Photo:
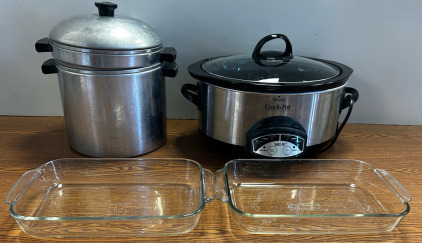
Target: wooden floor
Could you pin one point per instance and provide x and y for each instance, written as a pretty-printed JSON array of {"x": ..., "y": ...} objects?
[{"x": 28, "y": 142}]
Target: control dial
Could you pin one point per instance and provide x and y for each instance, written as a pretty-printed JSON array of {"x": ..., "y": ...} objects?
[{"x": 277, "y": 137}]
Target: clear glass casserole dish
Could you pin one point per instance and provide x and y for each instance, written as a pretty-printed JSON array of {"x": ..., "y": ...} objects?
[
  {"x": 111, "y": 197},
  {"x": 311, "y": 196},
  {"x": 134, "y": 197}
]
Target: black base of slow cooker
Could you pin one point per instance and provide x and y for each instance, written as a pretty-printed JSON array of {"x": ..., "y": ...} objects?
[
  {"x": 240, "y": 151},
  {"x": 318, "y": 148}
]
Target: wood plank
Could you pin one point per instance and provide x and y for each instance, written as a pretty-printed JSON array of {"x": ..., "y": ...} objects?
[{"x": 28, "y": 142}]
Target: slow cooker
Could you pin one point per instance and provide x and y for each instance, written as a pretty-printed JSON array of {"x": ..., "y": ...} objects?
[{"x": 273, "y": 103}]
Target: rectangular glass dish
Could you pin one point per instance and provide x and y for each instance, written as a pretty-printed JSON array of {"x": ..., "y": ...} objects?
[
  {"x": 135, "y": 197},
  {"x": 311, "y": 196},
  {"x": 111, "y": 197}
]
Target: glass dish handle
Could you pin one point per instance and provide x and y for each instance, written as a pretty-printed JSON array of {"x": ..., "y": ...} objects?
[
  {"x": 220, "y": 186},
  {"x": 20, "y": 186},
  {"x": 209, "y": 185},
  {"x": 402, "y": 193}
]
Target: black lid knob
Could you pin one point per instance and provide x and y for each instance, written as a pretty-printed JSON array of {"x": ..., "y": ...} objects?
[{"x": 106, "y": 8}]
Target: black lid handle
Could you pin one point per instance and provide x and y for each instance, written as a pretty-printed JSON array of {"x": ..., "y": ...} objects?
[
  {"x": 287, "y": 54},
  {"x": 106, "y": 8}
]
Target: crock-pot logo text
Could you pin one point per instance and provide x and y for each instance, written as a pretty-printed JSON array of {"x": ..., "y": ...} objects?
[
  {"x": 277, "y": 107},
  {"x": 278, "y": 104}
]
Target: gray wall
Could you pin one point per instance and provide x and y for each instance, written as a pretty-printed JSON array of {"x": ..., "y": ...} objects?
[{"x": 380, "y": 39}]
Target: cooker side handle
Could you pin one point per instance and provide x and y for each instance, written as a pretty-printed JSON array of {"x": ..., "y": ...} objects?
[
  {"x": 354, "y": 94},
  {"x": 190, "y": 91},
  {"x": 351, "y": 96}
]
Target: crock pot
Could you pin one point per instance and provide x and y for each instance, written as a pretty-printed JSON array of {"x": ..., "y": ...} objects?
[
  {"x": 271, "y": 102},
  {"x": 111, "y": 73}
]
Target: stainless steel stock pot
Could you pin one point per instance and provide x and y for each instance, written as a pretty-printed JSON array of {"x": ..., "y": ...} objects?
[
  {"x": 111, "y": 73},
  {"x": 273, "y": 103}
]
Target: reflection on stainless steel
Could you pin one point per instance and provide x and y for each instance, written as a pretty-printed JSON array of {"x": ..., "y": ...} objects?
[
  {"x": 99, "y": 32},
  {"x": 118, "y": 115},
  {"x": 89, "y": 58},
  {"x": 228, "y": 113}
]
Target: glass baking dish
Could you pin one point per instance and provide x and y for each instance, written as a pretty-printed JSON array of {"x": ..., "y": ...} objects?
[
  {"x": 111, "y": 197},
  {"x": 90, "y": 197},
  {"x": 311, "y": 196}
]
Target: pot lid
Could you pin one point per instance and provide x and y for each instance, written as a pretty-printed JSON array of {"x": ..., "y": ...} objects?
[
  {"x": 105, "y": 31},
  {"x": 272, "y": 70},
  {"x": 293, "y": 70}
]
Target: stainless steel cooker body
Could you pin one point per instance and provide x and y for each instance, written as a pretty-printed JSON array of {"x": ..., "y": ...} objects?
[{"x": 227, "y": 114}]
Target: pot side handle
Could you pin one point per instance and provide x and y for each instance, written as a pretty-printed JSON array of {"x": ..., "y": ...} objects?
[
  {"x": 170, "y": 69},
  {"x": 43, "y": 45},
  {"x": 49, "y": 66},
  {"x": 20, "y": 186},
  {"x": 168, "y": 54}
]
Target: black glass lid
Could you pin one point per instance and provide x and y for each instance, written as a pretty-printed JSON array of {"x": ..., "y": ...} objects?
[
  {"x": 271, "y": 70},
  {"x": 294, "y": 70}
]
